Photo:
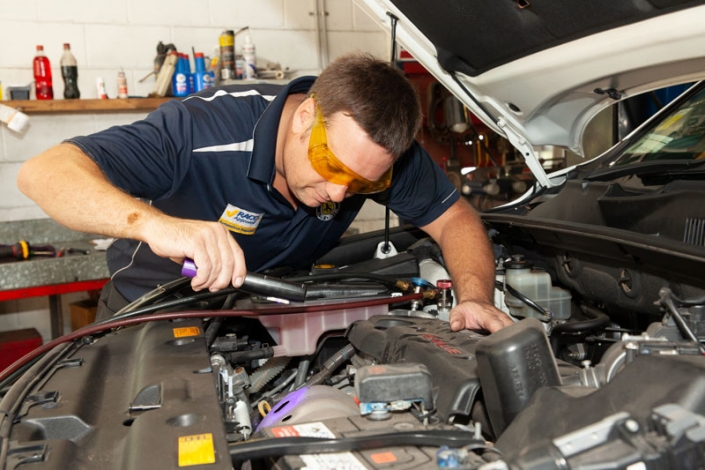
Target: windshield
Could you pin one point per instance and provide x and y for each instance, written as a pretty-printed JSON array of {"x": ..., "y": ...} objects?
[{"x": 679, "y": 135}]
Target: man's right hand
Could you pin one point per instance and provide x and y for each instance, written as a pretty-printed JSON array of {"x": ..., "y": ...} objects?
[{"x": 210, "y": 245}]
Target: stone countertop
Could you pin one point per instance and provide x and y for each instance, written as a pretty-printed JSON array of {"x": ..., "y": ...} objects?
[{"x": 41, "y": 271}]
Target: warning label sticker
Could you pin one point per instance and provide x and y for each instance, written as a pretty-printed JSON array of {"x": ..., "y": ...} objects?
[
  {"x": 339, "y": 461},
  {"x": 186, "y": 331},
  {"x": 196, "y": 449}
]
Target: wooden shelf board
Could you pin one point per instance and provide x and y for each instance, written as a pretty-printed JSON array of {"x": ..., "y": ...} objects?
[{"x": 78, "y": 106}]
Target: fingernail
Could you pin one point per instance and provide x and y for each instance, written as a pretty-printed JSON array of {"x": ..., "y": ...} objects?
[
  {"x": 238, "y": 281},
  {"x": 455, "y": 325}
]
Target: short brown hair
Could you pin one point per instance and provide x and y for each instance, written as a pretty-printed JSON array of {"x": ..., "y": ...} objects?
[{"x": 376, "y": 95}]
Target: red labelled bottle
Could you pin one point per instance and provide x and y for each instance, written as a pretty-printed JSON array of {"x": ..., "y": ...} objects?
[
  {"x": 69, "y": 71},
  {"x": 42, "y": 76}
]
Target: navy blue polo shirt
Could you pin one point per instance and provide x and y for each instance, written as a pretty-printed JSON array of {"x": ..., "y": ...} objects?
[{"x": 211, "y": 157}]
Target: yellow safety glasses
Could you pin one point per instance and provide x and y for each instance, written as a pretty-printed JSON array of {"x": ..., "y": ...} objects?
[{"x": 333, "y": 170}]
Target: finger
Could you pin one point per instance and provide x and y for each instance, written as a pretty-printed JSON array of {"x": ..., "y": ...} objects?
[
  {"x": 202, "y": 261},
  {"x": 226, "y": 261},
  {"x": 239, "y": 266},
  {"x": 457, "y": 321},
  {"x": 212, "y": 242},
  {"x": 496, "y": 322}
]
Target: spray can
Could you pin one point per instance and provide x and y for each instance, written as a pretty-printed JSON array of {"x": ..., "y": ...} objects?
[
  {"x": 227, "y": 55},
  {"x": 122, "y": 85},
  {"x": 100, "y": 88},
  {"x": 248, "y": 55}
]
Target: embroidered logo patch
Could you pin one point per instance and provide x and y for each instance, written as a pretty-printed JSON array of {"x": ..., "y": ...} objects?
[
  {"x": 240, "y": 221},
  {"x": 327, "y": 210}
]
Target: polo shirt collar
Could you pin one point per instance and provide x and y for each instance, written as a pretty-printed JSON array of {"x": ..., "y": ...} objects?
[{"x": 262, "y": 164}]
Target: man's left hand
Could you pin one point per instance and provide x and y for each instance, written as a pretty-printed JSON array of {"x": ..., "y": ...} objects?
[{"x": 477, "y": 315}]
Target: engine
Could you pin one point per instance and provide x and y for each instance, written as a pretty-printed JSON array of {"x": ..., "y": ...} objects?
[
  {"x": 366, "y": 374},
  {"x": 564, "y": 387}
]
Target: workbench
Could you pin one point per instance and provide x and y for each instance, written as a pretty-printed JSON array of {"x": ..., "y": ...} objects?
[{"x": 51, "y": 277}]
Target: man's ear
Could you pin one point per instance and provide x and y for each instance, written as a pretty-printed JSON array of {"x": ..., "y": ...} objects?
[{"x": 303, "y": 116}]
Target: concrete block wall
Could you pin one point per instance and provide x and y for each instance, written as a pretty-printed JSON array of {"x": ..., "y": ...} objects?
[{"x": 107, "y": 36}]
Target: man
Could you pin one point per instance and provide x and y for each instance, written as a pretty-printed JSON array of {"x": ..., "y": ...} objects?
[{"x": 237, "y": 177}]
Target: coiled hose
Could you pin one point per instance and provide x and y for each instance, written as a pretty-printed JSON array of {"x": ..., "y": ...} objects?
[{"x": 267, "y": 373}]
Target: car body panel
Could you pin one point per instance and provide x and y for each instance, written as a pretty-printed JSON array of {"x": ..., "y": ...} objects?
[{"x": 548, "y": 96}]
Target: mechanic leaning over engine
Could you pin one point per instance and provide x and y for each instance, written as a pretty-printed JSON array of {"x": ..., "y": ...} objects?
[{"x": 252, "y": 177}]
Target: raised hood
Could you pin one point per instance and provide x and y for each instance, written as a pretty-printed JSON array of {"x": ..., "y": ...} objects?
[{"x": 537, "y": 71}]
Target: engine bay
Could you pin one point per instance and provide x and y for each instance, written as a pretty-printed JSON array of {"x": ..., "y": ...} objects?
[{"x": 366, "y": 373}]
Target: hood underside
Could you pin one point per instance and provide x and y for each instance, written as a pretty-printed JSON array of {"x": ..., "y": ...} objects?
[{"x": 536, "y": 71}]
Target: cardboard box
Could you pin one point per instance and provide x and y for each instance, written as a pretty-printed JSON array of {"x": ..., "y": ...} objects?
[
  {"x": 15, "y": 344},
  {"x": 83, "y": 313}
]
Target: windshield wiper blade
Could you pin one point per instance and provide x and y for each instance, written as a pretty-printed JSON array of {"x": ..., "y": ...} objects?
[{"x": 660, "y": 167}]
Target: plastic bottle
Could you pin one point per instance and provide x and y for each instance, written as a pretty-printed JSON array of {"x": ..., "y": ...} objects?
[
  {"x": 69, "y": 72},
  {"x": 248, "y": 55},
  {"x": 536, "y": 285},
  {"x": 202, "y": 78},
  {"x": 122, "y": 85},
  {"x": 227, "y": 55},
  {"x": 179, "y": 84},
  {"x": 190, "y": 75},
  {"x": 42, "y": 76}
]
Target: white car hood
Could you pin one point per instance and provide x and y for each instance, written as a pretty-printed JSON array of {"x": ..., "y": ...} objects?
[{"x": 547, "y": 92}]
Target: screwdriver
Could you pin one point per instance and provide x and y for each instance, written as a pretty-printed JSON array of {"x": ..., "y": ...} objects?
[{"x": 22, "y": 250}]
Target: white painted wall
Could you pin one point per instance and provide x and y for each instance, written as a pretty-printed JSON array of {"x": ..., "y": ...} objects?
[{"x": 109, "y": 35}]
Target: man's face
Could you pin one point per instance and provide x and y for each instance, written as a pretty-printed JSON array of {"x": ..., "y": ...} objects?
[{"x": 350, "y": 145}]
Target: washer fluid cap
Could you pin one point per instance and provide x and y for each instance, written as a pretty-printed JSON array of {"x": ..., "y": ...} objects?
[{"x": 518, "y": 262}]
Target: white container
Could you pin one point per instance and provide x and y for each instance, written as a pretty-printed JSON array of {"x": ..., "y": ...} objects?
[
  {"x": 122, "y": 85},
  {"x": 299, "y": 333},
  {"x": 536, "y": 285}
]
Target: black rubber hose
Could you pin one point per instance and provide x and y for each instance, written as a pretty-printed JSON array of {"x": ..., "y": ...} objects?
[
  {"x": 501, "y": 286},
  {"x": 169, "y": 304},
  {"x": 239, "y": 357},
  {"x": 331, "y": 365},
  {"x": 276, "y": 447},
  {"x": 342, "y": 275},
  {"x": 212, "y": 331},
  {"x": 154, "y": 295},
  {"x": 667, "y": 302},
  {"x": 596, "y": 320},
  {"x": 317, "y": 291},
  {"x": 692, "y": 302}
]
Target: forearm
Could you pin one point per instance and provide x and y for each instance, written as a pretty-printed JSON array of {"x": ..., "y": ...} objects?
[
  {"x": 468, "y": 255},
  {"x": 469, "y": 258},
  {"x": 72, "y": 190}
]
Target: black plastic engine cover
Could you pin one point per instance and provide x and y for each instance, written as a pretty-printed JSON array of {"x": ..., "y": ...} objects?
[
  {"x": 133, "y": 399},
  {"x": 646, "y": 383},
  {"x": 449, "y": 356}
]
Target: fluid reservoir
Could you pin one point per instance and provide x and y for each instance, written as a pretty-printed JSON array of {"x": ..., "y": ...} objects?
[{"x": 536, "y": 285}]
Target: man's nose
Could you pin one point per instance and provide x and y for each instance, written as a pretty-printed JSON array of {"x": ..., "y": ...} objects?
[{"x": 336, "y": 192}]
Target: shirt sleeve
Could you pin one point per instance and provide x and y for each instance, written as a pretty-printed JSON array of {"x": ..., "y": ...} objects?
[
  {"x": 420, "y": 190},
  {"x": 148, "y": 158}
]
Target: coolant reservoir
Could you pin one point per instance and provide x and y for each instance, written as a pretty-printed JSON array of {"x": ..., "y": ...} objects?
[{"x": 536, "y": 285}]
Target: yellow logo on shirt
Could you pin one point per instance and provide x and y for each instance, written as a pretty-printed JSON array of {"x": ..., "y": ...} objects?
[
  {"x": 239, "y": 220},
  {"x": 327, "y": 211}
]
